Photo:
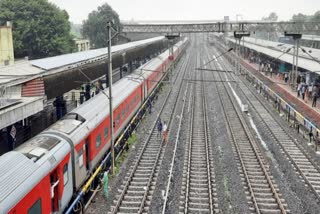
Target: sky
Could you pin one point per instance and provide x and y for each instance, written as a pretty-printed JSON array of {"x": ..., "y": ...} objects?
[{"x": 190, "y": 10}]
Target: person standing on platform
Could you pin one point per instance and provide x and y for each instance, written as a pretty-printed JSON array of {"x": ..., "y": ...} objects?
[
  {"x": 310, "y": 92},
  {"x": 286, "y": 77},
  {"x": 303, "y": 91},
  {"x": 299, "y": 89},
  {"x": 165, "y": 132},
  {"x": 314, "y": 96}
]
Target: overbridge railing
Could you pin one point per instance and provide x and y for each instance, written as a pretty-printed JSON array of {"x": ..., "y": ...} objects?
[{"x": 300, "y": 27}]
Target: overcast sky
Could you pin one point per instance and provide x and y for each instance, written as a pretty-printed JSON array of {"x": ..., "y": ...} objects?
[{"x": 190, "y": 10}]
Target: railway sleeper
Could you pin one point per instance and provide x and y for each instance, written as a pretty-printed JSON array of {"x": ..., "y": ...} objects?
[
  {"x": 125, "y": 209},
  {"x": 199, "y": 205},
  {"x": 264, "y": 190},
  {"x": 198, "y": 210},
  {"x": 201, "y": 180},
  {"x": 199, "y": 185},
  {"x": 264, "y": 195},
  {"x": 268, "y": 205},
  {"x": 130, "y": 198},
  {"x": 271, "y": 211}
]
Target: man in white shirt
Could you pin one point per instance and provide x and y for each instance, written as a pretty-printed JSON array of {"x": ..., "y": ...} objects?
[{"x": 164, "y": 130}]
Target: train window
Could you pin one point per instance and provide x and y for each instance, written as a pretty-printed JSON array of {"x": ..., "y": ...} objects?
[
  {"x": 98, "y": 141},
  {"x": 105, "y": 132},
  {"x": 65, "y": 174},
  {"x": 127, "y": 109},
  {"x": 36, "y": 208},
  {"x": 118, "y": 119},
  {"x": 80, "y": 158},
  {"x": 123, "y": 112}
]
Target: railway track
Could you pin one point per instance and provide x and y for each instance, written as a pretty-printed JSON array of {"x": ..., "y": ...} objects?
[
  {"x": 198, "y": 184},
  {"x": 262, "y": 192},
  {"x": 307, "y": 168},
  {"x": 136, "y": 191}
]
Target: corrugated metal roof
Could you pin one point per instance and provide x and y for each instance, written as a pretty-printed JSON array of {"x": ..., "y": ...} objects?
[
  {"x": 23, "y": 71},
  {"x": 69, "y": 59},
  {"x": 20, "y": 71},
  {"x": 304, "y": 63},
  {"x": 282, "y": 47}
]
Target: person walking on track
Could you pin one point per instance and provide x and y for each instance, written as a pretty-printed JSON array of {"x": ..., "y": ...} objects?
[
  {"x": 159, "y": 127},
  {"x": 165, "y": 132}
]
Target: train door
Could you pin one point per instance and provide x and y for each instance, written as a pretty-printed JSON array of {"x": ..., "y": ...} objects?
[
  {"x": 87, "y": 153},
  {"x": 54, "y": 180},
  {"x": 145, "y": 91}
]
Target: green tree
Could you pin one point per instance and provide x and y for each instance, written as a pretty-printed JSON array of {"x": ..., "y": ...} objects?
[
  {"x": 273, "y": 17},
  {"x": 305, "y": 18},
  {"x": 316, "y": 17},
  {"x": 300, "y": 18},
  {"x": 40, "y": 28},
  {"x": 95, "y": 27}
]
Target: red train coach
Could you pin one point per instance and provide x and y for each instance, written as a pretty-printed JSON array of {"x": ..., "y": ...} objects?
[{"x": 42, "y": 175}]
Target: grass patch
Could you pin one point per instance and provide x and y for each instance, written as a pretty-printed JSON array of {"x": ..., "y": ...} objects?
[
  {"x": 119, "y": 161},
  {"x": 132, "y": 140}
]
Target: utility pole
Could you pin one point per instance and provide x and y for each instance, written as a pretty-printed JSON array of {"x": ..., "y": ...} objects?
[
  {"x": 109, "y": 78},
  {"x": 294, "y": 73},
  {"x": 170, "y": 38},
  {"x": 238, "y": 36},
  {"x": 110, "y": 95}
]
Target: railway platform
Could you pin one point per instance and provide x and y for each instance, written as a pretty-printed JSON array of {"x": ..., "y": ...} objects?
[{"x": 284, "y": 90}]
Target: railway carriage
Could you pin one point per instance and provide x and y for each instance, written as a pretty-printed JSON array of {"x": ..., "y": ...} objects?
[
  {"x": 36, "y": 176},
  {"x": 42, "y": 175}
]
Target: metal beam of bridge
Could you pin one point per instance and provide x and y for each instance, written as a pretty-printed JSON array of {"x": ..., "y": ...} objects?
[{"x": 297, "y": 27}]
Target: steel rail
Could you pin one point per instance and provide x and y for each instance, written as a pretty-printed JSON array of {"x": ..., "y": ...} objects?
[
  {"x": 293, "y": 162},
  {"x": 127, "y": 184},
  {"x": 199, "y": 110},
  {"x": 254, "y": 147}
]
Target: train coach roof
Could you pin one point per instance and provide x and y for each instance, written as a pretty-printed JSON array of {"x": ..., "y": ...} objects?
[
  {"x": 155, "y": 62},
  {"x": 100, "y": 102},
  {"x": 15, "y": 169}
]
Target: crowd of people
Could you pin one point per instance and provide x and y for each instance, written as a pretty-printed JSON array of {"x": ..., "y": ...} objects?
[{"x": 307, "y": 92}]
